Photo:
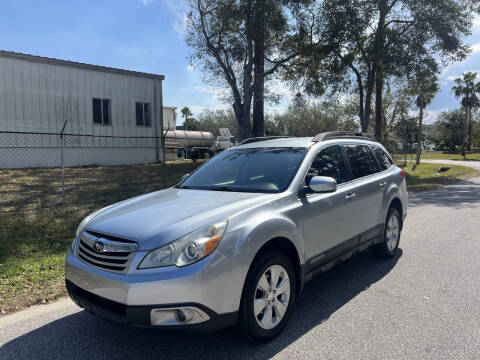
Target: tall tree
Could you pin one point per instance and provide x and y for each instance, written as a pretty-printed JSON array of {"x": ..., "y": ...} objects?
[
  {"x": 424, "y": 87},
  {"x": 448, "y": 129},
  {"x": 376, "y": 39},
  {"x": 397, "y": 104},
  {"x": 221, "y": 36},
  {"x": 240, "y": 44},
  {"x": 259, "y": 68},
  {"x": 466, "y": 88}
]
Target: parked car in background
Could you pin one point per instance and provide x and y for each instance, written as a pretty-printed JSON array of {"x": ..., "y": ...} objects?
[{"x": 236, "y": 241}]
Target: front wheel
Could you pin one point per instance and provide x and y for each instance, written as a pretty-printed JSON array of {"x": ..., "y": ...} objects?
[
  {"x": 391, "y": 235},
  {"x": 268, "y": 297}
]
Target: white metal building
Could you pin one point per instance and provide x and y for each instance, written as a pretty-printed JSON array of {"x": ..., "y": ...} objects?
[{"x": 112, "y": 116}]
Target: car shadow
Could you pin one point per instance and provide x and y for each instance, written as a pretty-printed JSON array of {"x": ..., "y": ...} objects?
[{"x": 83, "y": 336}]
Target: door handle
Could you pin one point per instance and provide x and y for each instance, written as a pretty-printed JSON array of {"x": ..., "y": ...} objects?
[
  {"x": 350, "y": 196},
  {"x": 382, "y": 184}
]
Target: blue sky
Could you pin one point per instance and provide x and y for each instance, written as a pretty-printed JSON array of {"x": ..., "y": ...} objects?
[{"x": 145, "y": 35}]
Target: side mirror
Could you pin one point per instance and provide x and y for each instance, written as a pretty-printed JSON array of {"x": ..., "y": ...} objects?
[
  {"x": 184, "y": 177},
  {"x": 323, "y": 184}
]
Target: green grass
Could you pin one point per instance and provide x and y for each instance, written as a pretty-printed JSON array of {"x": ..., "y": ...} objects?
[
  {"x": 422, "y": 177},
  {"x": 439, "y": 155},
  {"x": 35, "y": 230}
]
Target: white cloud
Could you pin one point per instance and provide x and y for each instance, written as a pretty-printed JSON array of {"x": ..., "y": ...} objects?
[
  {"x": 476, "y": 22},
  {"x": 453, "y": 77},
  {"x": 179, "y": 9},
  {"x": 475, "y": 48},
  {"x": 146, "y": 2},
  {"x": 431, "y": 115}
]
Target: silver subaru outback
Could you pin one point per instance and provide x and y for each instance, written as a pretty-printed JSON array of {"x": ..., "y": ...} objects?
[{"x": 236, "y": 241}]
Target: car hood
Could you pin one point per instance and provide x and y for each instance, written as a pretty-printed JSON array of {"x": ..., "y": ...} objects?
[{"x": 157, "y": 218}]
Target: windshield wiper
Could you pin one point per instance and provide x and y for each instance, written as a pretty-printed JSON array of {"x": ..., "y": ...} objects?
[
  {"x": 223, "y": 188},
  {"x": 183, "y": 187}
]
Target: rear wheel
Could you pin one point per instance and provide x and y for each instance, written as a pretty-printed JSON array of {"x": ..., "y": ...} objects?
[
  {"x": 391, "y": 235},
  {"x": 268, "y": 297}
]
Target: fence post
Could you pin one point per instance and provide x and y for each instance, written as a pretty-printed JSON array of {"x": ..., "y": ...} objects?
[{"x": 62, "y": 140}]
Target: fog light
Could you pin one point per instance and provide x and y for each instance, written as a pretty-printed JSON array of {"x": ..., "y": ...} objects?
[
  {"x": 184, "y": 315},
  {"x": 177, "y": 316}
]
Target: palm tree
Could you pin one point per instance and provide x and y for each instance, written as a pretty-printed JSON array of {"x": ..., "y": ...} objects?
[
  {"x": 186, "y": 113},
  {"x": 424, "y": 87},
  {"x": 466, "y": 88}
]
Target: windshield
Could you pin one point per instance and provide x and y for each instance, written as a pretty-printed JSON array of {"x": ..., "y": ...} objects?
[{"x": 268, "y": 170}]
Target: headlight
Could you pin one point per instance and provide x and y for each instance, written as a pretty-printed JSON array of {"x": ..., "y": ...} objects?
[{"x": 188, "y": 249}]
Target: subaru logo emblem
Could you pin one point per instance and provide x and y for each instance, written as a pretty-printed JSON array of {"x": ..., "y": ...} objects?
[{"x": 99, "y": 246}]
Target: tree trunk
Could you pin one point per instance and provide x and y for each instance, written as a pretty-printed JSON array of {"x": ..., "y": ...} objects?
[
  {"x": 469, "y": 124},
  {"x": 363, "y": 123},
  {"x": 368, "y": 101},
  {"x": 244, "y": 127},
  {"x": 419, "y": 137},
  {"x": 361, "y": 111},
  {"x": 259, "y": 69},
  {"x": 379, "y": 54},
  {"x": 465, "y": 133},
  {"x": 379, "y": 102}
]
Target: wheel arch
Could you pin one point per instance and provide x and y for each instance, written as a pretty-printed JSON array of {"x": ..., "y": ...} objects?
[
  {"x": 396, "y": 203},
  {"x": 285, "y": 246}
]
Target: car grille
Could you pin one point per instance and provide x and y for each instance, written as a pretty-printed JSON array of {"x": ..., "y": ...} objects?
[{"x": 111, "y": 254}]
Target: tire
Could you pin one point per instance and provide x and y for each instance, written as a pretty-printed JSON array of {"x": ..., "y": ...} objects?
[
  {"x": 263, "y": 324},
  {"x": 391, "y": 235}
]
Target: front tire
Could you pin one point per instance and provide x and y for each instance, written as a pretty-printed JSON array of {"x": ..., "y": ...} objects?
[
  {"x": 268, "y": 297},
  {"x": 391, "y": 235}
]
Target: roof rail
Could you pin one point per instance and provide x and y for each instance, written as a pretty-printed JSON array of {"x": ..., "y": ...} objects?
[
  {"x": 261, "y": 138},
  {"x": 342, "y": 135}
]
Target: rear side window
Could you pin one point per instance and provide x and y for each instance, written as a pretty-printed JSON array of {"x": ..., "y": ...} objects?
[
  {"x": 362, "y": 161},
  {"x": 383, "y": 159},
  {"x": 329, "y": 162}
]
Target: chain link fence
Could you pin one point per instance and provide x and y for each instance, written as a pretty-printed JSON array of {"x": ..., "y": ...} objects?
[
  {"x": 38, "y": 150},
  {"x": 40, "y": 170}
]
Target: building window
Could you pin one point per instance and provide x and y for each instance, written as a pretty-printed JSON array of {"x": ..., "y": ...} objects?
[
  {"x": 142, "y": 112},
  {"x": 101, "y": 111}
]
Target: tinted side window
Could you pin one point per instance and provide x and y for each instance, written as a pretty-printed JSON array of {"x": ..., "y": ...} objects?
[
  {"x": 362, "y": 161},
  {"x": 329, "y": 162},
  {"x": 383, "y": 159}
]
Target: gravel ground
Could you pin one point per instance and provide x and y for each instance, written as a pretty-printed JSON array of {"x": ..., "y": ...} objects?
[{"x": 422, "y": 304}]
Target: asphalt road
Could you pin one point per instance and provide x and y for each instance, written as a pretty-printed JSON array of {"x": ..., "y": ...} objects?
[{"x": 423, "y": 304}]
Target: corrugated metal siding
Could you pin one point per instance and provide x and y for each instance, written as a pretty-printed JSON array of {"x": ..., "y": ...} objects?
[{"x": 39, "y": 97}]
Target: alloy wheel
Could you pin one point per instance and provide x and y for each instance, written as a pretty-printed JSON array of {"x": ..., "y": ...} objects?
[
  {"x": 393, "y": 232},
  {"x": 272, "y": 296}
]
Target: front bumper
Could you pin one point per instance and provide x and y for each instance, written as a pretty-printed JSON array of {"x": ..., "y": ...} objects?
[
  {"x": 140, "y": 316},
  {"x": 212, "y": 285}
]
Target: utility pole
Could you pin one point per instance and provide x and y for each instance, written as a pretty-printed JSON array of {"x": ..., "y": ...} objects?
[
  {"x": 62, "y": 140},
  {"x": 164, "y": 179}
]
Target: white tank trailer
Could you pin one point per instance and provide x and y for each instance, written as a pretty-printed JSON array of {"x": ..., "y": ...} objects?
[{"x": 198, "y": 144}]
